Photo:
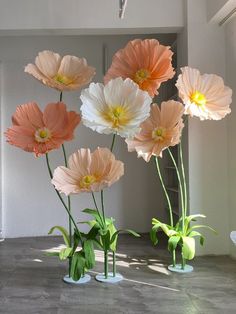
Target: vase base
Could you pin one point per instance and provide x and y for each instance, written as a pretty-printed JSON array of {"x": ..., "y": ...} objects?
[
  {"x": 86, "y": 278},
  {"x": 110, "y": 279},
  {"x": 178, "y": 268}
]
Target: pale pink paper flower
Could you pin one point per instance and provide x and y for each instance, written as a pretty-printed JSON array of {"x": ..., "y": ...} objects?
[
  {"x": 40, "y": 132},
  {"x": 161, "y": 130},
  {"x": 204, "y": 96},
  {"x": 62, "y": 73},
  {"x": 146, "y": 62},
  {"x": 88, "y": 172}
]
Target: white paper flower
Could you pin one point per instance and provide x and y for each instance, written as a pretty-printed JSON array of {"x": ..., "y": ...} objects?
[{"x": 118, "y": 107}]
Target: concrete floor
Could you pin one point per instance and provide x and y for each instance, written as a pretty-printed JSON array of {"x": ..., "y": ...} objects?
[{"x": 30, "y": 282}]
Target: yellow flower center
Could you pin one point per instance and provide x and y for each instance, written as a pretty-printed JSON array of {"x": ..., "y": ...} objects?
[
  {"x": 87, "y": 181},
  {"x": 159, "y": 134},
  {"x": 42, "y": 135},
  {"x": 198, "y": 98},
  {"x": 117, "y": 115},
  {"x": 141, "y": 76},
  {"x": 62, "y": 79}
]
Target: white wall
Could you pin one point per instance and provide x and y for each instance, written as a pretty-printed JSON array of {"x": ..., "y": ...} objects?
[
  {"x": 208, "y": 173},
  {"x": 230, "y": 31},
  {"x": 30, "y": 205},
  {"x": 88, "y": 16}
]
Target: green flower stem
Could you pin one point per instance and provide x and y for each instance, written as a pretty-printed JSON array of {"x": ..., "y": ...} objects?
[
  {"x": 95, "y": 203},
  {"x": 106, "y": 263},
  {"x": 62, "y": 201},
  {"x": 184, "y": 179},
  {"x": 180, "y": 184},
  {"x": 103, "y": 210},
  {"x": 114, "y": 263},
  {"x": 183, "y": 263},
  {"x": 68, "y": 198},
  {"x": 113, "y": 142},
  {"x": 60, "y": 96},
  {"x": 174, "y": 258},
  {"x": 165, "y": 191}
]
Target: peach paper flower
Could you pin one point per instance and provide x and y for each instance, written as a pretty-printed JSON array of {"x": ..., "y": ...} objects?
[
  {"x": 88, "y": 172},
  {"x": 146, "y": 62},
  {"x": 40, "y": 132},
  {"x": 162, "y": 129},
  {"x": 205, "y": 96},
  {"x": 62, "y": 73}
]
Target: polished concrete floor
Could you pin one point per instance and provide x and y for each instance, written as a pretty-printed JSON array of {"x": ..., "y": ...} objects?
[{"x": 30, "y": 282}]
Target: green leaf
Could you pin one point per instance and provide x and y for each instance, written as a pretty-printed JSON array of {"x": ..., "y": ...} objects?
[
  {"x": 89, "y": 254},
  {"x": 197, "y": 234},
  {"x": 190, "y": 218},
  {"x": 202, "y": 226},
  {"x": 153, "y": 233},
  {"x": 105, "y": 239},
  {"x": 52, "y": 253},
  {"x": 77, "y": 265},
  {"x": 98, "y": 244},
  {"x": 93, "y": 232},
  {"x": 64, "y": 253},
  {"x": 188, "y": 248},
  {"x": 114, "y": 237},
  {"x": 95, "y": 214},
  {"x": 91, "y": 223},
  {"x": 109, "y": 221},
  {"x": 173, "y": 242},
  {"x": 192, "y": 234},
  {"x": 63, "y": 232},
  {"x": 202, "y": 240}
]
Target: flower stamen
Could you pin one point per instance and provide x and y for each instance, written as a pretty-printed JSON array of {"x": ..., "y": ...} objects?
[
  {"x": 62, "y": 79},
  {"x": 159, "y": 134},
  {"x": 141, "y": 76},
  {"x": 42, "y": 135},
  {"x": 86, "y": 181},
  {"x": 198, "y": 98},
  {"x": 117, "y": 115}
]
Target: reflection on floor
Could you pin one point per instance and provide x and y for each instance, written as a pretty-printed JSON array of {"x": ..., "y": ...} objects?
[{"x": 30, "y": 282}]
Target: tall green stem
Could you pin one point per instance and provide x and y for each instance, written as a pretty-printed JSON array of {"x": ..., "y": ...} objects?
[
  {"x": 114, "y": 263},
  {"x": 103, "y": 210},
  {"x": 113, "y": 142},
  {"x": 95, "y": 203},
  {"x": 165, "y": 191},
  {"x": 60, "y": 96},
  {"x": 61, "y": 199},
  {"x": 183, "y": 262},
  {"x": 174, "y": 258},
  {"x": 106, "y": 263},
  {"x": 68, "y": 198},
  {"x": 180, "y": 187},
  {"x": 184, "y": 179}
]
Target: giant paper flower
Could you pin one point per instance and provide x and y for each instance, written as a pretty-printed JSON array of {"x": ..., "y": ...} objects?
[
  {"x": 40, "y": 132},
  {"x": 61, "y": 73},
  {"x": 88, "y": 172},
  {"x": 146, "y": 62},
  {"x": 118, "y": 107},
  {"x": 161, "y": 130},
  {"x": 205, "y": 96}
]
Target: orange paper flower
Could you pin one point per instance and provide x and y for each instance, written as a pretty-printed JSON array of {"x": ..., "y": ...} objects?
[
  {"x": 88, "y": 172},
  {"x": 62, "y": 73},
  {"x": 38, "y": 132},
  {"x": 205, "y": 96},
  {"x": 144, "y": 61},
  {"x": 161, "y": 130}
]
